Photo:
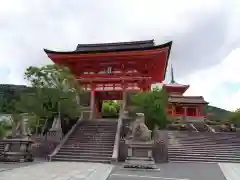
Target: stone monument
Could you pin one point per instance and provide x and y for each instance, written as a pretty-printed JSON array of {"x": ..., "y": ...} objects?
[
  {"x": 56, "y": 129},
  {"x": 17, "y": 146},
  {"x": 140, "y": 146}
]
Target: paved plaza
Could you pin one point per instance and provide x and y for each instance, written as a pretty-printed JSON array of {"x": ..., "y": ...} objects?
[
  {"x": 58, "y": 171},
  {"x": 97, "y": 171},
  {"x": 172, "y": 171}
]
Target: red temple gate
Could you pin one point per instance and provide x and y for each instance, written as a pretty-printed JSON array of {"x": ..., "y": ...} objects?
[{"x": 109, "y": 70}]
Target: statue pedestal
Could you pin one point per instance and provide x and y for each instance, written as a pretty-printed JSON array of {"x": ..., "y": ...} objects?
[
  {"x": 140, "y": 155},
  {"x": 17, "y": 150},
  {"x": 55, "y": 133}
]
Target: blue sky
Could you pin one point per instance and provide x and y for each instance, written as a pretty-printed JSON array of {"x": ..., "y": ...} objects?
[{"x": 205, "y": 35}]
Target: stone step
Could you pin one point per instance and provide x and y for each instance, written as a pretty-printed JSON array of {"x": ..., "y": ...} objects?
[
  {"x": 224, "y": 146},
  {"x": 203, "y": 148},
  {"x": 189, "y": 135},
  {"x": 91, "y": 143},
  {"x": 204, "y": 160},
  {"x": 98, "y": 125},
  {"x": 210, "y": 141},
  {"x": 204, "y": 154},
  {"x": 95, "y": 149},
  {"x": 95, "y": 129},
  {"x": 203, "y": 151},
  {"x": 1, "y": 147},
  {"x": 79, "y": 145},
  {"x": 86, "y": 138},
  {"x": 89, "y": 153},
  {"x": 96, "y": 134},
  {"x": 88, "y": 145},
  {"x": 188, "y": 156},
  {"x": 177, "y": 159},
  {"x": 80, "y": 156},
  {"x": 81, "y": 160},
  {"x": 203, "y": 139},
  {"x": 110, "y": 127},
  {"x": 91, "y": 138},
  {"x": 100, "y": 151}
]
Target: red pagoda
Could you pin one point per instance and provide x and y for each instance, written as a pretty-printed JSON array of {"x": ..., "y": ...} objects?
[
  {"x": 189, "y": 108},
  {"x": 109, "y": 70}
]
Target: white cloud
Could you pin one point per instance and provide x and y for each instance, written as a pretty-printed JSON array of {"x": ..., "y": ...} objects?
[
  {"x": 213, "y": 83},
  {"x": 203, "y": 32}
]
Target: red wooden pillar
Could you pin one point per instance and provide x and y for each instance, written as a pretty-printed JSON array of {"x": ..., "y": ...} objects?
[
  {"x": 173, "y": 109},
  {"x": 197, "y": 111},
  {"x": 124, "y": 97},
  {"x": 185, "y": 111},
  {"x": 92, "y": 103}
]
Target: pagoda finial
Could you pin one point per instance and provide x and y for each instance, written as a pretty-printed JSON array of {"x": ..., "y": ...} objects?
[{"x": 172, "y": 75}]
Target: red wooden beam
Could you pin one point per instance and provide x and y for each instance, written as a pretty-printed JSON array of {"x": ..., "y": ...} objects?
[
  {"x": 117, "y": 79},
  {"x": 128, "y": 65},
  {"x": 110, "y": 76}
]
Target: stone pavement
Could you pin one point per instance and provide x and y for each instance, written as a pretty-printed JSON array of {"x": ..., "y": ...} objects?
[
  {"x": 231, "y": 170},
  {"x": 58, "y": 171},
  {"x": 172, "y": 171},
  {"x": 95, "y": 171}
]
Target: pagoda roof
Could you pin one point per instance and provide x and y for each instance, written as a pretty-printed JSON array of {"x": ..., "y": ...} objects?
[
  {"x": 187, "y": 99},
  {"x": 114, "y": 47},
  {"x": 175, "y": 84}
]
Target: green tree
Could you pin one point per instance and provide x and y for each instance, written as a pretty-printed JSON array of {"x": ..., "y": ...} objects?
[
  {"x": 5, "y": 127},
  {"x": 153, "y": 105},
  {"x": 2, "y": 130},
  {"x": 55, "y": 91},
  {"x": 235, "y": 117},
  {"x": 110, "y": 109}
]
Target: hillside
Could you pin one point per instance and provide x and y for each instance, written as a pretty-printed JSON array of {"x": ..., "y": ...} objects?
[{"x": 218, "y": 113}]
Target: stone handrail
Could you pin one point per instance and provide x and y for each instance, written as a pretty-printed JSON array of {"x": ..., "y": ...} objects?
[
  {"x": 210, "y": 128},
  {"x": 65, "y": 138},
  {"x": 117, "y": 139},
  {"x": 193, "y": 127}
]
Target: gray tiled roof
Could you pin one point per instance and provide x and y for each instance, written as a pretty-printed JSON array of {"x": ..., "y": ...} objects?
[
  {"x": 187, "y": 99},
  {"x": 117, "y": 45},
  {"x": 175, "y": 85}
]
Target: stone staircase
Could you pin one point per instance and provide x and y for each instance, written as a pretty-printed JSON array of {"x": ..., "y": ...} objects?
[
  {"x": 201, "y": 127},
  {"x": 1, "y": 146},
  {"x": 92, "y": 141},
  {"x": 204, "y": 147}
]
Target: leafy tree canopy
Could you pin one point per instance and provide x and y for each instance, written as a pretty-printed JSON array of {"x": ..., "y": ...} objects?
[
  {"x": 110, "y": 109},
  {"x": 235, "y": 117},
  {"x": 153, "y": 105},
  {"x": 54, "y": 90}
]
